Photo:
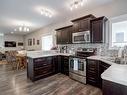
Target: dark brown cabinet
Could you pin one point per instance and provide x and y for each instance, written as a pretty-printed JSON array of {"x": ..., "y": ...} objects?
[
  {"x": 65, "y": 65},
  {"x": 102, "y": 67},
  {"x": 92, "y": 72},
  {"x": 40, "y": 67},
  {"x": 98, "y": 30},
  {"x": 64, "y": 35},
  {"x": 82, "y": 24},
  {"x": 96, "y": 26},
  {"x": 111, "y": 88}
]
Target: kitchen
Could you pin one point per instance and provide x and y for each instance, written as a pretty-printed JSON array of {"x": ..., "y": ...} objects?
[{"x": 83, "y": 53}]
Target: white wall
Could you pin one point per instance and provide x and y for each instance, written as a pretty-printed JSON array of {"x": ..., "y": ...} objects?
[
  {"x": 16, "y": 38},
  {"x": 116, "y": 8}
]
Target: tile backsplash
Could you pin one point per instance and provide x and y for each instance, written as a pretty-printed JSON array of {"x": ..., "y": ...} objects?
[{"x": 102, "y": 49}]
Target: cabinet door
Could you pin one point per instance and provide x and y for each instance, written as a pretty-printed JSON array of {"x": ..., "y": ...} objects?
[
  {"x": 76, "y": 26},
  {"x": 58, "y": 37},
  {"x": 92, "y": 72},
  {"x": 111, "y": 88},
  {"x": 97, "y": 31},
  {"x": 64, "y": 35},
  {"x": 102, "y": 67},
  {"x": 65, "y": 65},
  {"x": 57, "y": 63},
  {"x": 85, "y": 25}
]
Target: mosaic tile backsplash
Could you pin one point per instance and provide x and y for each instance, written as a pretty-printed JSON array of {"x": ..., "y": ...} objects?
[{"x": 102, "y": 49}]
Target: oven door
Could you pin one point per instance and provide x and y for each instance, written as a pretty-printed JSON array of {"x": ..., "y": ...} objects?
[{"x": 81, "y": 66}]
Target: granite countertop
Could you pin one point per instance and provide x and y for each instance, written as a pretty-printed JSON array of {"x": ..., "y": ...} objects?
[
  {"x": 115, "y": 73},
  {"x": 45, "y": 54},
  {"x": 106, "y": 59}
]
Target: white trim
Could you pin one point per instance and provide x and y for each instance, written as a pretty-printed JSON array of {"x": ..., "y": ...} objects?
[{"x": 115, "y": 20}]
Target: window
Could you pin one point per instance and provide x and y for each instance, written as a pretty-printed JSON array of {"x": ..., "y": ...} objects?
[
  {"x": 1, "y": 40},
  {"x": 119, "y": 32},
  {"x": 47, "y": 42}
]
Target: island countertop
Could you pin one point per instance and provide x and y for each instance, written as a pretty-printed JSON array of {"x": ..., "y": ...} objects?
[
  {"x": 38, "y": 54},
  {"x": 116, "y": 73}
]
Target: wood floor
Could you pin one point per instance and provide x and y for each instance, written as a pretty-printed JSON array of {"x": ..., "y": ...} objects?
[{"x": 16, "y": 83}]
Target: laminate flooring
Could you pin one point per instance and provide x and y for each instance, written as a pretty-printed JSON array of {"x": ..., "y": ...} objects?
[{"x": 16, "y": 83}]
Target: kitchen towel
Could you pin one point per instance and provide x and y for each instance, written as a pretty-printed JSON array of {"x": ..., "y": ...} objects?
[{"x": 76, "y": 64}]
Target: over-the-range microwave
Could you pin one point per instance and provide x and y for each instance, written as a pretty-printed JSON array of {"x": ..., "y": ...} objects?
[{"x": 81, "y": 37}]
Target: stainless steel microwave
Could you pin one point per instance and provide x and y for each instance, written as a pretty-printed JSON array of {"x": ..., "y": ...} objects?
[{"x": 81, "y": 37}]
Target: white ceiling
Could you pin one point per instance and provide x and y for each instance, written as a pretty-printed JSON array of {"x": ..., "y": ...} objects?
[{"x": 15, "y": 12}]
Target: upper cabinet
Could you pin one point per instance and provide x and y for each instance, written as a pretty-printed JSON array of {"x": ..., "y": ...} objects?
[
  {"x": 96, "y": 26},
  {"x": 82, "y": 24},
  {"x": 64, "y": 35},
  {"x": 98, "y": 30}
]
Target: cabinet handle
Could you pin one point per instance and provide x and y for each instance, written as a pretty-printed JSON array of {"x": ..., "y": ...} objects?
[
  {"x": 92, "y": 69},
  {"x": 44, "y": 64}
]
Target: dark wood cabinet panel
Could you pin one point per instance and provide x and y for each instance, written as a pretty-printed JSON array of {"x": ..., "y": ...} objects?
[
  {"x": 58, "y": 37},
  {"x": 57, "y": 62},
  {"x": 102, "y": 67},
  {"x": 65, "y": 65},
  {"x": 40, "y": 67},
  {"x": 82, "y": 24},
  {"x": 92, "y": 72},
  {"x": 98, "y": 30},
  {"x": 111, "y": 88},
  {"x": 64, "y": 35}
]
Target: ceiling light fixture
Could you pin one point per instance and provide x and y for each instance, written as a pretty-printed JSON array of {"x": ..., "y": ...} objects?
[
  {"x": 76, "y": 3},
  {"x": 12, "y": 32},
  {"x": 22, "y": 28},
  {"x": 46, "y": 12}
]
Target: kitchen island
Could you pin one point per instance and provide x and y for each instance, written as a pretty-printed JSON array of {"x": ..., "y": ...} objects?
[{"x": 44, "y": 64}]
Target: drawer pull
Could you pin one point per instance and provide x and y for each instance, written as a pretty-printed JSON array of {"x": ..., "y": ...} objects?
[
  {"x": 92, "y": 69},
  {"x": 44, "y": 64}
]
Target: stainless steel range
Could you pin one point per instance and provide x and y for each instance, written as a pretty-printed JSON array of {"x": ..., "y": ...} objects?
[{"x": 77, "y": 64}]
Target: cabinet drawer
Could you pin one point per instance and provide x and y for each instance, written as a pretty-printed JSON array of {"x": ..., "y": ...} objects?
[
  {"x": 37, "y": 60},
  {"x": 92, "y": 75},
  {"x": 44, "y": 71},
  {"x": 92, "y": 82},
  {"x": 90, "y": 68},
  {"x": 92, "y": 63},
  {"x": 41, "y": 64},
  {"x": 92, "y": 72}
]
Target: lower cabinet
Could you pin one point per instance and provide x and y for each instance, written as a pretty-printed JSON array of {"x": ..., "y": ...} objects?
[
  {"x": 102, "y": 67},
  {"x": 65, "y": 65},
  {"x": 39, "y": 68},
  {"x": 92, "y": 73},
  {"x": 111, "y": 88},
  {"x": 94, "y": 70}
]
